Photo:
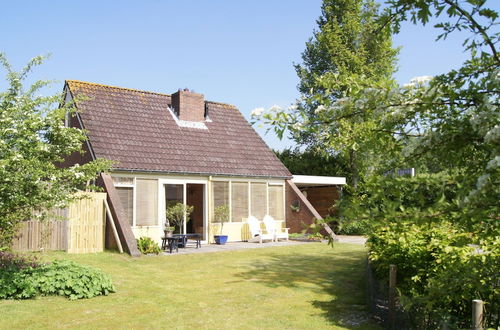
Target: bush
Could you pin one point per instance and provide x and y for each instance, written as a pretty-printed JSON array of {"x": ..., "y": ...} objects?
[
  {"x": 10, "y": 260},
  {"x": 355, "y": 227},
  {"x": 23, "y": 278},
  {"x": 147, "y": 246},
  {"x": 347, "y": 226},
  {"x": 439, "y": 272}
]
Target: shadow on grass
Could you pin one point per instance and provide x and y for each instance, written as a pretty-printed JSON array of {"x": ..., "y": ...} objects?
[{"x": 340, "y": 275}]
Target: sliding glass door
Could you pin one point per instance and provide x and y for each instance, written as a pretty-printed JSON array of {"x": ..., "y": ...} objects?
[
  {"x": 192, "y": 193},
  {"x": 174, "y": 194}
]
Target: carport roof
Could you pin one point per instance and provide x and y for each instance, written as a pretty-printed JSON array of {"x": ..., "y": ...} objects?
[{"x": 316, "y": 180}]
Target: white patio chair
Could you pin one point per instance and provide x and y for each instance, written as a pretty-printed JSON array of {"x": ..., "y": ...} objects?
[
  {"x": 273, "y": 228},
  {"x": 256, "y": 231}
]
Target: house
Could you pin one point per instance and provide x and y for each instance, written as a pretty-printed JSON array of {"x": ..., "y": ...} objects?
[{"x": 179, "y": 148}]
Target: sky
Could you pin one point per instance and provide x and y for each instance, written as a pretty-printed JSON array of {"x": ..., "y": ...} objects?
[{"x": 236, "y": 52}]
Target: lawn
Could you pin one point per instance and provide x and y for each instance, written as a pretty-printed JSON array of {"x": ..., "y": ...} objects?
[{"x": 294, "y": 287}]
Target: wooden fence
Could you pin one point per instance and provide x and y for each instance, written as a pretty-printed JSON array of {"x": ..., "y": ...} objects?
[{"x": 80, "y": 228}]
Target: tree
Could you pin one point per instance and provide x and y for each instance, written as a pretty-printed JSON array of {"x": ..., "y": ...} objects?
[
  {"x": 350, "y": 52},
  {"x": 310, "y": 162},
  {"x": 349, "y": 42},
  {"x": 179, "y": 213},
  {"x": 33, "y": 140},
  {"x": 441, "y": 226}
]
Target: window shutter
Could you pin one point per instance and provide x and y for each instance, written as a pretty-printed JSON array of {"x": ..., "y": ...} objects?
[
  {"x": 276, "y": 207},
  {"x": 220, "y": 193},
  {"x": 239, "y": 201},
  {"x": 258, "y": 200},
  {"x": 126, "y": 195},
  {"x": 147, "y": 202}
]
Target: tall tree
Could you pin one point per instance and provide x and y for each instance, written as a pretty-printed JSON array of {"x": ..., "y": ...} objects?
[
  {"x": 349, "y": 42},
  {"x": 33, "y": 139},
  {"x": 350, "y": 51},
  {"x": 440, "y": 227}
]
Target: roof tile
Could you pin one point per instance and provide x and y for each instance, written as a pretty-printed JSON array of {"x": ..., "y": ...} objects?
[{"x": 134, "y": 129}]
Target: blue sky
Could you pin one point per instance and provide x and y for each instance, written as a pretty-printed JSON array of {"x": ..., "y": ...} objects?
[{"x": 238, "y": 52}]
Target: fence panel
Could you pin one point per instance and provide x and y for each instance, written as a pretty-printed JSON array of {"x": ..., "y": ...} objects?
[
  {"x": 76, "y": 229},
  {"x": 50, "y": 234},
  {"x": 87, "y": 224}
]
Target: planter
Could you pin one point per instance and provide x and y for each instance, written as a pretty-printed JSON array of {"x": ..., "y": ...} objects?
[{"x": 220, "y": 239}]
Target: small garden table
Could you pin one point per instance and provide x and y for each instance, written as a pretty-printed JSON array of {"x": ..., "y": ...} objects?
[
  {"x": 171, "y": 242},
  {"x": 183, "y": 238}
]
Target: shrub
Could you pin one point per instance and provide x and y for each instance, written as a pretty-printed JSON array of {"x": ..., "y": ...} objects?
[
  {"x": 23, "y": 278},
  {"x": 178, "y": 213},
  {"x": 11, "y": 260},
  {"x": 354, "y": 227},
  {"x": 147, "y": 246},
  {"x": 68, "y": 279},
  {"x": 439, "y": 271}
]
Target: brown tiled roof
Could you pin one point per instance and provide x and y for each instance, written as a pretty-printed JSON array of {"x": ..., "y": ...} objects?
[{"x": 135, "y": 130}]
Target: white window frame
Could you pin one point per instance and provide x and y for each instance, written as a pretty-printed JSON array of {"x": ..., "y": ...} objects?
[{"x": 184, "y": 183}]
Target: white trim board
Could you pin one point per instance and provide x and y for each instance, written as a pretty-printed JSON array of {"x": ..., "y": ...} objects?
[{"x": 316, "y": 180}]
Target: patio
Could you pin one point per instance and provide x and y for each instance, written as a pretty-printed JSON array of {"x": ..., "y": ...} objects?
[
  {"x": 231, "y": 246},
  {"x": 234, "y": 246}
]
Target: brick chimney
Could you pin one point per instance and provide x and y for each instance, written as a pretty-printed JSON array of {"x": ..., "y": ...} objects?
[{"x": 189, "y": 106}]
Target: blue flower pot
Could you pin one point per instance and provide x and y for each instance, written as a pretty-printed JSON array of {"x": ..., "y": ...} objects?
[{"x": 220, "y": 239}]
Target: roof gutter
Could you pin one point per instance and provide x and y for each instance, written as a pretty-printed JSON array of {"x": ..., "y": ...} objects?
[{"x": 201, "y": 173}]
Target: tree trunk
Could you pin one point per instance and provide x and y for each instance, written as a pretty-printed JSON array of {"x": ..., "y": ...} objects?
[{"x": 353, "y": 166}]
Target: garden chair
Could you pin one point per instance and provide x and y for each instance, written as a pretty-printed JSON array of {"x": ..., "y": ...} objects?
[
  {"x": 273, "y": 228},
  {"x": 256, "y": 231}
]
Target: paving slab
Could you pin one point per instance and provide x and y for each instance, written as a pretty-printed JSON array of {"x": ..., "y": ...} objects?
[
  {"x": 233, "y": 246},
  {"x": 353, "y": 239}
]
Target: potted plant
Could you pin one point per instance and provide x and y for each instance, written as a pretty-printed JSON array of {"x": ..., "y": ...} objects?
[
  {"x": 176, "y": 214},
  {"x": 295, "y": 206},
  {"x": 169, "y": 230},
  {"x": 221, "y": 215}
]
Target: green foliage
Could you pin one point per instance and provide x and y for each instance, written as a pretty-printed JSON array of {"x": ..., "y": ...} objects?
[
  {"x": 349, "y": 42},
  {"x": 23, "y": 279},
  {"x": 354, "y": 227},
  {"x": 221, "y": 214},
  {"x": 147, "y": 246},
  {"x": 313, "y": 163},
  {"x": 177, "y": 213},
  {"x": 9, "y": 260},
  {"x": 33, "y": 140},
  {"x": 351, "y": 51},
  {"x": 439, "y": 272},
  {"x": 440, "y": 227}
]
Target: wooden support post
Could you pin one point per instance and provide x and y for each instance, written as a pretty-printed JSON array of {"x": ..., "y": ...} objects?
[
  {"x": 113, "y": 227},
  {"x": 311, "y": 209},
  {"x": 392, "y": 296},
  {"x": 477, "y": 315}
]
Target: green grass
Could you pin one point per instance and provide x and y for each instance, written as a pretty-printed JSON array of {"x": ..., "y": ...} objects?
[{"x": 294, "y": 287}]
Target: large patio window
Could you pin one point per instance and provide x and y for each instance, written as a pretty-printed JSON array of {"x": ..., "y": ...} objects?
[
  {"x": 258, "y": 198},
  {"x": 126, "y": 195},
  {"x": 147, "y": 202},
  {"x": 239, "y": 201},
  {"x": 276, "y": 209}
]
